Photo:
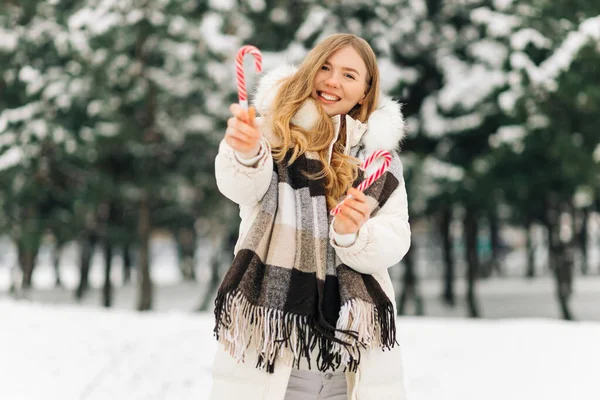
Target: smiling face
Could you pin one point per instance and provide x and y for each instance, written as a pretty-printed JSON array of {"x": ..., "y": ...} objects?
[{"x": 341, "y": 82}]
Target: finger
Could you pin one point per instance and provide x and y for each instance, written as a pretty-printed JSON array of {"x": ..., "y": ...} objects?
[
  {"x": 360, "y": 207},
  {"x": 232, "y": 132},
  {"x": 246, "y": 129},
  {"x": 237, "y": 144},
  {"x": 357, "y": 194},
  {"x": 238, "y": 112},
  {"x": 344, "y": 223},
  {"x": 251, "y": 115},
  {"x": 362, "y": 211},
  {"x": 354, "y": 216},
  {"x": 234, "y": 143}
]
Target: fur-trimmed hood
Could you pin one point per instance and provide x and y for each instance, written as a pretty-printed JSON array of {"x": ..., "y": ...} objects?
[{"x": 384, "y": 130}]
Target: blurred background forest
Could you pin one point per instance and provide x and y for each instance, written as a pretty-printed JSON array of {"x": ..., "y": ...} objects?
[{"x": 111, "y": 112}]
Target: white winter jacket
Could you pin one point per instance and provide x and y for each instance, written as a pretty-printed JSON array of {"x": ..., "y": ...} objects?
[{"x": 381, "y": 243}]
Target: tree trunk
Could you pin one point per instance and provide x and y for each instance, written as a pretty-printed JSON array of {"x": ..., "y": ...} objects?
[
  {"x": 495, "y": 265},
  {"x": 86, "y": 244},
  {"x": 564, "y": 280},
  {"x": 27, "y": 257},
  {"x": 561, "y": 258},
  {"x": 127, "y": 263},
  {"x": 216, "y": 260},
  {"x": 410, "y": 286},
  {"x": 582, "y": 239},
  {"x": 470, "y": 232},
  {"x": 56, "y": 263},
  {"x": 223, "y": 250},
  {"x": 449, "y": 264},
  {"x": 107, "y": 290},
  {"x": 186, "y": 246},
  {"x": 145, "y": 281},
  {"x": 530, "y": 250}
]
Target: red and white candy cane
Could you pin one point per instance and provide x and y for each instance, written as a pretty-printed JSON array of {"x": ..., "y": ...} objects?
[
  {"x": 387, "y": 160},
  {"x": 239, "y": 66}
]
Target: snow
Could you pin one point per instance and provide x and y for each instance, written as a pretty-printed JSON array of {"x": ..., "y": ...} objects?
[
  {"x": 134, "y": 16},
  {"x": 257, "y": 5},
  {"x": 54, "y": 89},
  {"x": 389, "y": 74},
  {"x": 223, "y": 5},
  {"x": 498, "y": 24},
  {"x": 183, "y": 51},
  {"x": 10, "y": 158},
  {"x": 509, "y": 134},
  {"x": 108, "y": 129},
  {"x": 597, "y": 154},
  {"x": 538, "y": 121},
  {"x": 74, "y": 353},
  {"x": 157, "y": 18},
  {"x": 177, "y": 26},
  {"x": 584, "y": 197},
  {"x": 279, "y": 15},
  {"x": 546, "y": 74},
  {"x": 173, "y": 85},
  {"x": 437, "y": 169},
  {"x": 468, "y": 86},
  {"x": 19, "y": 114},
  {"x": 211, "y": 27},
  {"x": 199, "y": 123},
  {"x": 436, "y": 125},
  {"x": 39, "y": 127},
  {"x": 490, "y": 51},
  {"x": 98, "y": 21},
  {"x": 520, "y": 39},
  {"x": 28, "y": 74},
  {"x": 8, "y": 40},
  {"x": 418, "y": 8},
  {"x": 314, "y": 21},
  {"x": 507, "y": 101},
  {"x": 502, "y": 5}
]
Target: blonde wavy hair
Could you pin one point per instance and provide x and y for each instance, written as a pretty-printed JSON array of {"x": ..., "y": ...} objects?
[{"x": 340, "y": 174}]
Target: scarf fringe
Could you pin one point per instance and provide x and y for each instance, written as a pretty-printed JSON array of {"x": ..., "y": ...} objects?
[{"x": 291, "y": 337}]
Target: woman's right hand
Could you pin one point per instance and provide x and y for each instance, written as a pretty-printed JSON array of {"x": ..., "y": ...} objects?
[{"x": 243, "y": 133}]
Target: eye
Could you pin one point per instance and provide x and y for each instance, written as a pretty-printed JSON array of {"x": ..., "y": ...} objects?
[
  {"x": 350, "y": 76},
  {"x": 325, "y": 68}
]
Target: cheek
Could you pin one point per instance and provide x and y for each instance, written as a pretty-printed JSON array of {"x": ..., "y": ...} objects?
[
  {"x": 318, "y": 78},
  {"x": 357, "y": 93}
]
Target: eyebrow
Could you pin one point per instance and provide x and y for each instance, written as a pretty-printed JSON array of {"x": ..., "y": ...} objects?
[{"x": 346, "y": 68}]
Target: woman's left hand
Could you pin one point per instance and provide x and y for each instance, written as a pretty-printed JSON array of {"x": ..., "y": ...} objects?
[{"x": 353, "y": 214}]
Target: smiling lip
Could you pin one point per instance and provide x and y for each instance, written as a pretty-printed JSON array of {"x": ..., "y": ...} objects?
[{"x": 331, "y": 96}]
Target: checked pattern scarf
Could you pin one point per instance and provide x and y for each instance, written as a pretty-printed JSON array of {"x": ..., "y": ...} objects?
[{"x": 287, "y": 293}]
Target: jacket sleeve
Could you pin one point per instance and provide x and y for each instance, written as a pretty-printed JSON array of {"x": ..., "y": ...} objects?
[
  {"x": 383, "y": 240},
  {"x": 244, "y": 185}
]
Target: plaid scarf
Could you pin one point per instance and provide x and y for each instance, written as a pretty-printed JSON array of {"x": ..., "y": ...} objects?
[{"x": 287, "y": 292}]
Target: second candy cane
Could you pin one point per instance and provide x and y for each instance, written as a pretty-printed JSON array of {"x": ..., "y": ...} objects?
[
  {"x": 239, "y": 69},
  {"x": 387, "y": 159}
]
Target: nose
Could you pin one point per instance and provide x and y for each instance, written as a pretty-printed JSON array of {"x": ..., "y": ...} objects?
[{"x": 331, "y": 81}]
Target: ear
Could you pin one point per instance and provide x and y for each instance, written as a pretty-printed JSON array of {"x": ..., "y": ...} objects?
[{"x": 361, "y": 101}]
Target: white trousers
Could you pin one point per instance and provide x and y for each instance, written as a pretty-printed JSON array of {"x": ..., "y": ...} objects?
[{"x": 316, "y": 385}]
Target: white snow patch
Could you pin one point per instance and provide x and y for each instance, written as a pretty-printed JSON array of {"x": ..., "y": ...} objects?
[
  {"x": 8, "y": 40},
  {"x": 78, "y": 352},
  {"x": 511, "y": 135},
  {"x": 10, "y": 158}
]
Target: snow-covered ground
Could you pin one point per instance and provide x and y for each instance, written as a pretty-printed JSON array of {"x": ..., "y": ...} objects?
[
  {"x": 82, "y": 353},
  {"x": 51, "y": 348}
]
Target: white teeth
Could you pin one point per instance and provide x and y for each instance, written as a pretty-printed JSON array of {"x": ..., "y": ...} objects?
[{"x": 329, "y": 97}]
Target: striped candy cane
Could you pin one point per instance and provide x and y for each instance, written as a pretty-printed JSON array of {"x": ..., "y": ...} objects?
[
  {"x": 239, "y": 66},
  {"x": 387, "y": 160}
]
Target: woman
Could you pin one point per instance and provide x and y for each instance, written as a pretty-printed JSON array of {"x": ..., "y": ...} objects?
[{"x": 307, "y": 309}]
